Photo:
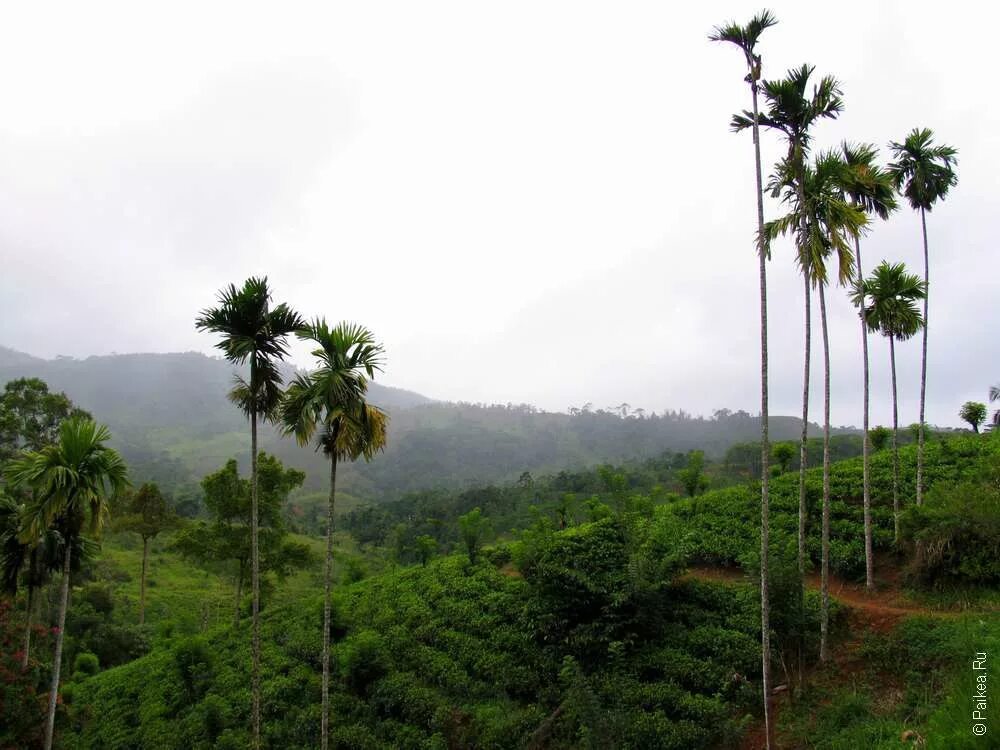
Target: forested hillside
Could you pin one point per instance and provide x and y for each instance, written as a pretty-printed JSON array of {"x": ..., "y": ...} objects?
[
  {"x": 580, "y": 630},
  {"x": 169, "y": 416}
]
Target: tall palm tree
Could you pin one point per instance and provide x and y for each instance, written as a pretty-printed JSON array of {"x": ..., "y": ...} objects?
[
  {"x": 825, "y": 223},
  {"x": 73, "y": 481},
  {"x": 995, "y": 396},
  {"x": 253, "y": 332},
  {"x": 924, "y": 173},
  {"x": 792, "y": 111},
  {"x": 892, "y": 295},
  {"x": 329, "y": 405},
  {"x": 745, "y": 38},
  {"x": 871, "y": 189}
]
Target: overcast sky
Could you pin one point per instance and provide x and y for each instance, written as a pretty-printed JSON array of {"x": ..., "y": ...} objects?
[{"x": 526, "y": 201}]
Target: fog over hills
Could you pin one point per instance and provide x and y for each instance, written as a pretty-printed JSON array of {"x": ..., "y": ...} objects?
[{"x": 170, "y": 417}]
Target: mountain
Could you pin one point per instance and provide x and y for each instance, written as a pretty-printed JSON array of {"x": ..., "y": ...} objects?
[{"x": 171, "y": 420}]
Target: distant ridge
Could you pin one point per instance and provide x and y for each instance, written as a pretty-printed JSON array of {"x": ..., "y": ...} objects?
[{"x": 170, "y": 418}]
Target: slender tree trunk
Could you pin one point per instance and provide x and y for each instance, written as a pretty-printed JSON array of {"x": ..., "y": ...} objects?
[
  {"x": 923, "y": 368},
  {"x": 765, "y": 447},
  {"x": 327, "y": 585},
  {"x": 866, "y": 442},
  {"x": 50, "y": 720},
  {"x": 255, "y": 579},
  {"x": 824, "y": 618},
  {"x": 27, "y": 626},
  {"x": 142, "y": 580},
  {"x": 803, "y": 444},
  {"x": 895, "y": 442}
]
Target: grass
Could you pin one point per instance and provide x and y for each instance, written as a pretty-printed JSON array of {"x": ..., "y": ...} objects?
[
  {"x": 184, "y": 598},
  {"x": 915, "y": 686}
]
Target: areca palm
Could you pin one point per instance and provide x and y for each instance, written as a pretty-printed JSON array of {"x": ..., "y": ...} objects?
[
  {"x": 745, "y": 38},
  {"x": 892, "y": 295},
  {"x": 253, "y": 332},
  {"x": 31, "y": 562},
  {"x": 871, "y": 189},
  {"x": 824, "y": 224},
  {"x": 792, "y": 111},
  {"x": 73, "y": 482},
  {"x": 924, "y": 173},
  {"x": 328, "y": 405}
]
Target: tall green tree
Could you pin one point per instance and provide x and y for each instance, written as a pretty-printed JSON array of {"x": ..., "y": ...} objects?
[
  {"x": 892, "y": 296},
  {"x": 745, "y": 38},
  {"x": 328, "y": 405},
  {"x": 148, "y": 514},
  {"x": 924, "y": 173},
  {"x": 792, "y": 111},
  {"x": 30, "y": 416},
  {"x": 973, "y": 412},
  {"x": 825, "y": 224},
  {"x": 225, "y": 537},
  {"x": 255, "y": 333},
  {"x": 995, "y": 396},
  {"x": 73, "y": 482},
  {"x": 871, "y": 189}
]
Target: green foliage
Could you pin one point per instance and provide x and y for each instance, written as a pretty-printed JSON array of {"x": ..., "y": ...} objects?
[
  {"x": 973, "y": 412},
  {"x": 30, "y": 416},
  {"x": 879, "y": 437},
  {"x": 955, "y": 535},
  {"x": 146, "y": 512},
  {"x": 692, "y": 476},
  {"x": 225, "y": 537},
  {"x": 474, "y": 527},
  {"x": 85, "y": 664},
  {"x": 783, "y": 453},
  {"x": 426, "y": 548}
]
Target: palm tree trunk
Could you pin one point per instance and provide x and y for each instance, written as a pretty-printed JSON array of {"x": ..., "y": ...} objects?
[
  {"x": 50, "y": 720},
  {"x": 765, "y": 447},
  {"x": 803, "y": 446},
  {"x": 255, "y": 579},
  {"x": 895, "y": 442},
  {"x": 142, "y": 580},
  {"x": 327, "y": 585},
  {"x": 824, "y": 617},
  {"x": 866, "y": 443},
  {"x": 27, "y": 626},
  {"x": 923, "y": 368}
]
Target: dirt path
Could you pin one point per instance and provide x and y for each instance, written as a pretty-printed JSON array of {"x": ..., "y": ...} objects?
[
  {"x": 885, "y": 606},
  {"x": 880, "y": 611}
]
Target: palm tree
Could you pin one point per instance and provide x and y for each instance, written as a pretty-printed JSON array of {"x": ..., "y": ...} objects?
[
  {"x": 892, "y": 296},
  {"x": 924, "y": 173},
  {"x": 329, "y": 405},
  {"x": 35, "y": 561},
  {"x": 825, "y": 224},
  {"x": 745, "y": 38},
  {"x": 73, "y": 482},
  {"x": 871, "y": 189},
  {"x": 995, "y": 396},
  {"x": 792, "y": 113},
  {"x": 253, "y": 332}
]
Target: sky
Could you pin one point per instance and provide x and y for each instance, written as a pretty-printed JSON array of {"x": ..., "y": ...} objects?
[{"x": 530, "y": 202}]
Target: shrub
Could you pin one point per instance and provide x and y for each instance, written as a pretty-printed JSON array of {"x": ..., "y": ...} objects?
[{"x": 955, "y": 535}]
